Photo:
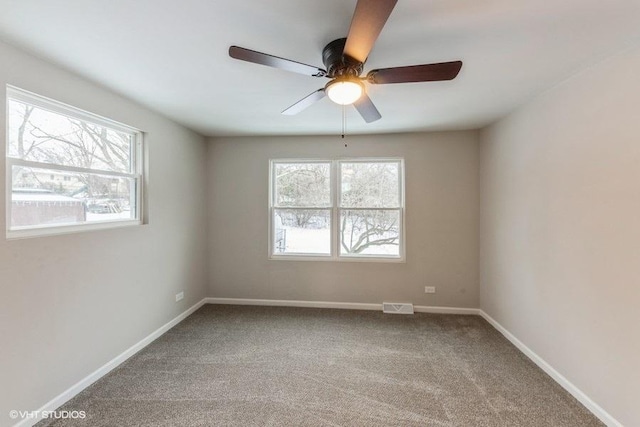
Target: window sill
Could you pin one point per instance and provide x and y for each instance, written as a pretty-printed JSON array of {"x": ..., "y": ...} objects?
[
  {"x": 43, "y": 231},
  {"x": 397, "y": 260}
]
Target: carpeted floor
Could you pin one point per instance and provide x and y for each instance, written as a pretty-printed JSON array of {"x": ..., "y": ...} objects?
[{"x": 274, "y": 366}]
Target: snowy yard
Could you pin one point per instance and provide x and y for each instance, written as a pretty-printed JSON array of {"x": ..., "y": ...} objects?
[
  {"x": 93, "y": 217},
  {"x": 318, "y": 241}
]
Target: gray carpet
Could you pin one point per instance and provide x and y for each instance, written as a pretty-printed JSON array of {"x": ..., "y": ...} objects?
[{"x": 273, "y": 366}]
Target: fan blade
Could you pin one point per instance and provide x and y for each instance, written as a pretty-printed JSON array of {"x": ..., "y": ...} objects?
[
  {"x": 415, "y": 73},
  {"x": 366, "y": 25},
  {"x": 274, "y": 61},
  {"x": 305, "y": 102},
  {"x": 367, "y": 110}
]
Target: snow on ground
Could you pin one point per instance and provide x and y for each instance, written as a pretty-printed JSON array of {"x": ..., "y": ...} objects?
[
  {"x": 318, "y": 241},
  {"x": 93, "y": 217},
  {"x": 308, "y": 241}
]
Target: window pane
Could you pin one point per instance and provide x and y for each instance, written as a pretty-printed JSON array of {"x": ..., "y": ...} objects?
[
  {"x": 42, "y": 197},
  {"x": 370, "y": 232},
  {"x": 42, "y": 136},
  {"x": 302, "y": 231},
  {"x": 370, "y": 185},
  {"x": 302, "y": 184}
]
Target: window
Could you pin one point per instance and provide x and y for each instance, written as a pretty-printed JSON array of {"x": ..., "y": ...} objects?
[
  {"x": 67, "y": 169},
  {"x": 302, "y": 208},
  {"x": 370, "y": 211},
  {"x": 346, "y": 209}
]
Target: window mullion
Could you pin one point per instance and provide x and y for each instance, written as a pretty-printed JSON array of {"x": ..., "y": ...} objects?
[
  {"x": 306, "y": 208},
  {"x": 13, "y": 161},
  {"x": 370, "y": 208}
]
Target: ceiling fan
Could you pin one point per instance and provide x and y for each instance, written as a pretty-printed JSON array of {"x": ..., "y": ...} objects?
[{"x": 344, "y": 59}]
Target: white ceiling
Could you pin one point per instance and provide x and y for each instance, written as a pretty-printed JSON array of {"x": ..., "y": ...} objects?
[{"x": 172, "y": 55}]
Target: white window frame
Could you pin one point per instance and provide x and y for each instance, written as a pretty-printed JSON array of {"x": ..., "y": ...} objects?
[
  {"x": 136, "y": 174},
  {"x": 273, "y": 207},
  {"x": 336, "y": 194}
]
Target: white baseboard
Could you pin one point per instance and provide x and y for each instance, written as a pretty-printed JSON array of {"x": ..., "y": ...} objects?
[
  {"x": 341, "y": 305},
  {"x": 592, "y": 406},
  {"x": 72, "y": 391},
  {"x": 294, "y": 303},
  {"x": 446, "y": 310}
]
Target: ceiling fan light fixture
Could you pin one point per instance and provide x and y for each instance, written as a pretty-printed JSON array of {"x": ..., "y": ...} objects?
[{"x": 344, "y": 91}]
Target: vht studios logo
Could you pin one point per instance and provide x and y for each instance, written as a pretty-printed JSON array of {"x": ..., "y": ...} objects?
[{"x": 47, "y": 414}]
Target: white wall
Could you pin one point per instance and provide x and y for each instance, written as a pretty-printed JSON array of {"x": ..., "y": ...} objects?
[
  {"x": 71, "y": 303},
  {"x": 559, "y": 236},
  {"x": 560, "y": 230},
  {"x": 441, "y": 222}
]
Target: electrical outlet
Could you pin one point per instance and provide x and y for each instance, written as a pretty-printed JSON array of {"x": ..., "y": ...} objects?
[
  {"x": 429, "y": 289},
  {"x": 179, "y": 296}
]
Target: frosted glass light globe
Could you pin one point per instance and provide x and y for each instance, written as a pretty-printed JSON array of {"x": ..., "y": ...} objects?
[{"x": 344, "y": 92}]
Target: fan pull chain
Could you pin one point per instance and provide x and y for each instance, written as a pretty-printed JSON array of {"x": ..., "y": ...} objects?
[{"x": 344, "y": 123}]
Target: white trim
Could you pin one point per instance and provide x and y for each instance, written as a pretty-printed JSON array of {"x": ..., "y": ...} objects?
[
  {"x": 14, "y": 161},
  {"x": 333, "y": 304},
  {"x": 43, "y": 231},
  {"x": 309, "y": 208},
  {"x": 371, "y": 258},
  {"x": 294, "y": 303},
  {"x": 66, "y": 110},
  {"x": 72, "y": 391},
  {"x": 293, "y": 256},
  {"x": 445, "y": 310},
  {"x": 370, "y": 209},
  {"x": 592, "y": 406}
]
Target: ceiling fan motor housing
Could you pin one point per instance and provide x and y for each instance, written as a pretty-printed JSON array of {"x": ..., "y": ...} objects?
[{"x": 337, "y": 63}]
